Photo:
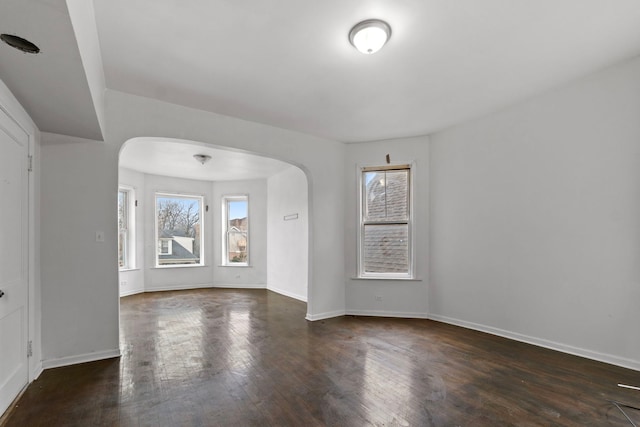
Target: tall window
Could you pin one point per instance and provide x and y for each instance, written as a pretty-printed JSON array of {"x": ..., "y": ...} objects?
[
  {"x": 126, "y": 252},
  {"x": 179, "y": 230},
  {"x": 236, "y": 228},
  {"x": 385, "y": 222}
]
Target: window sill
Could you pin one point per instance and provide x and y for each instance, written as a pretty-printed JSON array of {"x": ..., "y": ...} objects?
[
  {"x": 236, "y": 265},
  {"x": 125, "y": 270},
  {"x": 164, "y": 267},
  {"x": 394, "y": 279}
]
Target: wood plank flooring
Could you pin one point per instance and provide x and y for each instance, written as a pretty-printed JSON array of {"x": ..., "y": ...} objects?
[{"x": 223, "y": 357}]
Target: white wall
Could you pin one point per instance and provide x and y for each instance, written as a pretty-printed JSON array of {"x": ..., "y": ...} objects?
[
  {"x": 146, "y": 277},
  {"x": 287, "y": 240},
  {"x": 535, "y": 219},
  {"x": 402, "y": 298},
  {"x": 80, "y": 182},
  {"x": 130, "y": 116},
  {"x": 79, "y": 274},
  {"x": 132, "y": 281}
]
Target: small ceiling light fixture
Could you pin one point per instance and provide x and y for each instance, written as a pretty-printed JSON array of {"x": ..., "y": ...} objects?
[
  {"x": 369, "y": 36},
  {"x": 202, "y": 158},
  {"x": 19, "y": 43}
]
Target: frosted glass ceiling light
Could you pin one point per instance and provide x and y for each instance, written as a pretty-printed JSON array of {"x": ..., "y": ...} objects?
[
  {"x": 202, "y": 158},
  {"x": 369, "y": 36}
]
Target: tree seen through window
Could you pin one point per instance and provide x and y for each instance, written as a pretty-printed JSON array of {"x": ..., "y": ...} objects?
[{"x": 179, "y": 237}]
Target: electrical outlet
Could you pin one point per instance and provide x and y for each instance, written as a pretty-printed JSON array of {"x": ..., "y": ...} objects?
[
  {"x": 378, "y": 297},
  {"x": 123, "y": 283}
]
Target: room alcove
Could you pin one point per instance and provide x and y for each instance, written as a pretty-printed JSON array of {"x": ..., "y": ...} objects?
[{"x": 278, "y": 216}]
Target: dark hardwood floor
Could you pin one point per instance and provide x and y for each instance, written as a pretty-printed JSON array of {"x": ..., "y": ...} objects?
[{"x": 247, "y": 357}]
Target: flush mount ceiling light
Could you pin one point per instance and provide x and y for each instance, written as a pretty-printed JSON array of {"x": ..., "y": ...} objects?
[
  {"x": 19, "y": 43},
  {"x": 369, "y": 36},
  {"x": 202, "y": 158}
]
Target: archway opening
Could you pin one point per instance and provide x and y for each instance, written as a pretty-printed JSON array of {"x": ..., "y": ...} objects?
[{"x": 239, "y": 220}]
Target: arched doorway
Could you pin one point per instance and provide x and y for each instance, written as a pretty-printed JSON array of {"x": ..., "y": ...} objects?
[{"x": 276, "y": 196}]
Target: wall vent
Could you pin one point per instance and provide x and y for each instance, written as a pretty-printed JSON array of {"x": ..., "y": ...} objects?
[{"x": 19, "y": 43}]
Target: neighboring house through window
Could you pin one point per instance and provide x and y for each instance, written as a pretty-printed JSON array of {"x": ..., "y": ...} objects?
[
  {"x": 126, "y": 240},
  {"x": 165, "y": 246},
  {"x": 385, "y": 233},
  {"x": 179, "y": 230},
  {"x": 235, "y": 214}
]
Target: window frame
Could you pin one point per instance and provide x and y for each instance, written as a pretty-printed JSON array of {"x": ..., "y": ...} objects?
[
  {"x": 225, "y": 231},
  {"x": 362, "y": 221},
  {"x": 177, "y": 195},
  {"x": 169, "y": 247},
  {"x": 129, "y": 247}
]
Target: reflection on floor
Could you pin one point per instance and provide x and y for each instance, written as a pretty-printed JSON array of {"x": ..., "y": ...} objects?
[{"x": 247, "y": 357}]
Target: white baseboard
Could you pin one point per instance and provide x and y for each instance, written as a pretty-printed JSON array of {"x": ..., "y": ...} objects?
[
  {"x": 382, "y": 313},
  {"x": 131, "y": 292},
  {"x": 189, "y": 287},
  {"x": 576, "y": 351},
  {"x": 240, "y": 286},
  {"x": 80, "y": 358},
  {"x": 164, "y": 288},
  {"x": 287, "y": 293},
  {"x": 327, "y": 315},
  {"x": 37, "y": 371}
]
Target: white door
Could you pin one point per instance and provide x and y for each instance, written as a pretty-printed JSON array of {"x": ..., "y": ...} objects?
[{"x": 13, "y": 260}]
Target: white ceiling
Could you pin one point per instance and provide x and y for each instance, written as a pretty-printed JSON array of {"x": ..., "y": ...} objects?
[
  {"x": 52, "y": 86},
  {"x": 174, "y": 158},
  {"x": 288, "y": 63}
]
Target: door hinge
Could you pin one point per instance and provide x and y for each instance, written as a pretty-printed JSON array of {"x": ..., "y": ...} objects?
[
  {"x": 29, "y": 348},
  {"x": 30, "y": 163}
]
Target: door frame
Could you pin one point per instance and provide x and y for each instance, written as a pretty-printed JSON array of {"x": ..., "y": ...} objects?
[{"x": 14, "y": 110}]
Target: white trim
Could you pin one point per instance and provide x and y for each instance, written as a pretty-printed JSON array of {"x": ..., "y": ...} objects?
[
  {"x": 287, "y": 293},
  {"x": 37, "y": 370},
  {"x": 131, "y": 292},
  {"x": 243, "y": 286},
  {"x": 576, "y": 351},
  {"x": 383, "y": 313},
  {"x": 193, "y": 287},
  {"x": 130, "y": 249},
  {"x": 177, "y": 287},
  {"x": 10, "y": 105},
  {"x": 389, "y": 278},
  {"x": 360, "y": 170},
  {"x": 80, "y": 358},
  {"x": 225, "y": 231},
  {"x": 34, "y": 280},
  {"x": 325, "y": 315},
  {"x": 178, "y": 195},
  {"x": 163, "y": 267}
]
